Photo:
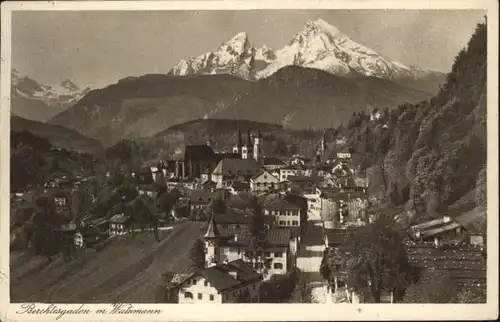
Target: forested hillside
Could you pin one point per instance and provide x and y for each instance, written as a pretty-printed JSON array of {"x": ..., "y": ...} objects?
[
  {"x": 222, "y": 134},
  {"x": 33, "y": 160},
  {"x": 431, "y": 154}
]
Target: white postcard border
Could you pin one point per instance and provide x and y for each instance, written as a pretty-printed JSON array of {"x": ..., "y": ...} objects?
[{"x": 256, "y": 312}]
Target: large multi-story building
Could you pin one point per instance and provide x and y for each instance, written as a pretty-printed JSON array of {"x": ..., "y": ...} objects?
[
  {"x": 286, "y": 210},
  {"x": 264, "y": 181},
  {"x": 230, "y": 244},
  {"x": 341, "y": 206}
]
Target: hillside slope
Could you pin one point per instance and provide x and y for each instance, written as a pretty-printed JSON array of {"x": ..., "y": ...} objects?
[
  {"x": 298, "y": 97},
  {"x": 128, "y": 270},
  {"x": 33, "y": 160},
  {"x": 58, "y": 136},
  {"x": 431, "y": 155},
  {"x": 139, "y": 106},
  {"x": 294, "y": 96}
]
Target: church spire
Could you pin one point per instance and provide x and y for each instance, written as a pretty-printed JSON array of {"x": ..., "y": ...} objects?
[
  {"x": 212, "y": 231},
  {"x": 240, "y": 141}
]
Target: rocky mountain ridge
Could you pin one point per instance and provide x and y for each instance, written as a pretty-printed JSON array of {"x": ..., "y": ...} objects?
[
  {"x": 39, "y": 102},
  {"x": 318, "y": 45}
]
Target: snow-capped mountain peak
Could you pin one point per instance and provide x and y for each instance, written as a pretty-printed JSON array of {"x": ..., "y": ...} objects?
[
  {"x": 25, "y": 87},
  {"x": 238, "y": 42},
  {"x": 318, "y": 45},
  {"x": 235, "y": 56},
  {"x": 320, "y": 26},
  {"x": 69, "y": 85}
]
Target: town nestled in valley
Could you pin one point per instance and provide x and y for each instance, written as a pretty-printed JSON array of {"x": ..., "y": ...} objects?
[{"x": 321, "y": 172}]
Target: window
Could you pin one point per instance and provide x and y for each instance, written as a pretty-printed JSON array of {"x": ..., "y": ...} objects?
[
  {"x": 211, "y": 297},
  {"x": 278, "y": 266},
  {"x": 268, "y": 254},
  {"x": 188, "y": 295},
  {"x": 206, "y": 283},
  {"x": 295, "y": 223},
  {"x": 200, "y": 296},
  {"x": 278, "y": 254}
]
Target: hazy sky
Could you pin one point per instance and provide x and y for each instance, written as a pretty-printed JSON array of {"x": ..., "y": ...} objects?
[{"x": 99, "y": 47}]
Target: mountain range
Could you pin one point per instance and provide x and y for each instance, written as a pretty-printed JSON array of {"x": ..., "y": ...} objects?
[
  {"x": 318, "y": 80},
  {"x": 318, "y": 45},
  {"x": 35, "y": 101}
]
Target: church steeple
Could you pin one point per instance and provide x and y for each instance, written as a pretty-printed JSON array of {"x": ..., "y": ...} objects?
[
  {"x": 212, "y": 243},
  {"x": 212, "y": 231},
  {"x": 240, "y": 141},
  {"x": 323, "y": 143}
]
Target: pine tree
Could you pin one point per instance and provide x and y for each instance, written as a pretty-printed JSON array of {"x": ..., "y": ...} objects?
[
  {"x": 257, "y": 225},
  {"x": 197, "y": 254},
  {"x": 257, "y": 228}
]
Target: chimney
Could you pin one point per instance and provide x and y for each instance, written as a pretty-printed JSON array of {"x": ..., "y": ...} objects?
[{"x": 233, "y": 274}]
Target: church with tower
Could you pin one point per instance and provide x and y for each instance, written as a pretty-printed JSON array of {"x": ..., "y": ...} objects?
[
  {"x": 251, "y": 149},
  {"x": 320, "y": 153}
]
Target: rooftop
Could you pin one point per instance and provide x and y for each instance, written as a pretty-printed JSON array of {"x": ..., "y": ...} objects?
[
  {"x": 201, "y": 196},
  {"x": 199, "y": 153},
  {"x": 234, "y": 167},
  {"x": 336, "y": 236},
  {"x": 220, "y": 277},
  {"x": 466, "y": 264},
  {"x": 239, "y": 185},
  {"x": 280, "y": 201},
  {"x": 276, "y": 237},
  {"x": 119, "y": 218},
  {"x": 336, "y": 194},
  {"x": 270, "y": 161}
]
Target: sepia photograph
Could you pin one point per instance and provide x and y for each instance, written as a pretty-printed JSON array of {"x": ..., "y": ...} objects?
[{"x": 321, "y": 156}]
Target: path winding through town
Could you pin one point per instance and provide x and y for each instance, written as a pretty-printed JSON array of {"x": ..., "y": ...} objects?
[{"x": 309, "y": 258}]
